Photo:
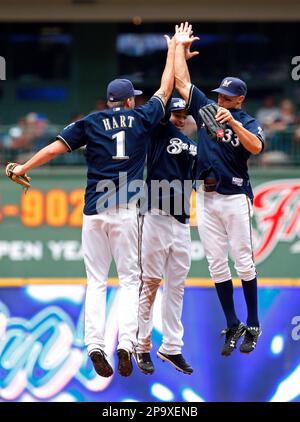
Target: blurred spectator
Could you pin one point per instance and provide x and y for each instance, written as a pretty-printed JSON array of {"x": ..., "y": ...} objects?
[
  {"x": 274, "y": 158},
  {"x": 75, "y": 117},
  {"x": 43, "y": 134},
  {"x": 268, "y": 113},
  {"x": 16, "y": 136},
  {"x": 100, "y": 105},
  {"x": 296, "y": 141},
  {"x": 287, "y": 116},
  {"x": 31, "y": 133},
  {"x": 140, "y": 100},
  {"x": 280, "y": 148},
  {"x": 281, "y": 125},
  {"x": 297, "y": 134}
]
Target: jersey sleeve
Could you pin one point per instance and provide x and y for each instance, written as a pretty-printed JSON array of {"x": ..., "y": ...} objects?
[
  {"x": 197, "y": 99},
  {"x": 152, "y": 112},
  {"x": 253, "y": 127},
  {"x": 73, "y": 135}
]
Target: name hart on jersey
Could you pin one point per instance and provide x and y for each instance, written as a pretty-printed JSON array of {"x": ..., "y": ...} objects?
[{"x": 117, "y": 122}]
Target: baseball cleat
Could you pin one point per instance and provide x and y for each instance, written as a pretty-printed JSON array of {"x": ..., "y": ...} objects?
[
  {"x": 101, "y": 365},
  {"x": 144, "y": 362},
  {"x": 125, "y": 367},
  {"x": 177, "y": 361},
  {"x": 232, "y": 336},
  {"x": 250, "y": 340}
]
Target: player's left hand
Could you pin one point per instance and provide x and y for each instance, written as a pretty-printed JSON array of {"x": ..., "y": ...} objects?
[{"x": 224, "y": 116}]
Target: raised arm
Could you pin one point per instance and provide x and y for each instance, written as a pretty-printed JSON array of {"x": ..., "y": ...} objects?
[
  {"x": 167, "y": 79},
  {"x": 184, "y": 39},
  {"x": 41, "y": 157}
]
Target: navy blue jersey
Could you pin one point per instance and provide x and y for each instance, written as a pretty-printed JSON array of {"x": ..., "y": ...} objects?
[
  {"x": 171, "y": 157},
  {"x": 225, "y": 160},
  {"x": 116, "y": 145}
]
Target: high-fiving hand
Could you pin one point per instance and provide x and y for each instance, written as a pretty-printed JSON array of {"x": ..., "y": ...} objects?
[{"x": 184, "y": 36}]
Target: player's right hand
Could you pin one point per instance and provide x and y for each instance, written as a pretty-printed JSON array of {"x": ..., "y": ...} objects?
[
  {"x": 184, "y": 34},
  {"x": 15, "y": 172}
]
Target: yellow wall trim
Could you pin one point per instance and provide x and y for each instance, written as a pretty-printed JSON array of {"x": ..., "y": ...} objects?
[{"x": 190, "y": 282}]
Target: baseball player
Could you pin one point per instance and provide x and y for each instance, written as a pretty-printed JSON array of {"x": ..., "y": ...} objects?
[
  {"x": 116, "y": 142},
  {"x": 166, "y": 239},
  {"x": 224, "y": 200}
]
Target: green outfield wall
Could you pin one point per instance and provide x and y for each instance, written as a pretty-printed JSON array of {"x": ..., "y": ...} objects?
[{"x": 40, "y": 231}]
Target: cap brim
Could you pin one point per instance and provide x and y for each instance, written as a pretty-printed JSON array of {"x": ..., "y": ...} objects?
[
  {"x": 137, "y": 92},
  {"x": 224, "y": 91},
  {"x": 177, "y": 109}
]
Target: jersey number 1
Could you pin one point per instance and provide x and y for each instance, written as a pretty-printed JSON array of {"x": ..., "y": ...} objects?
[{"x": 120, "y": 137}]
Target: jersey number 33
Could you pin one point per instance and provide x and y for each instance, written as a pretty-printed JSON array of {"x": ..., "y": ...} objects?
[{"x": 231, "y": 137}]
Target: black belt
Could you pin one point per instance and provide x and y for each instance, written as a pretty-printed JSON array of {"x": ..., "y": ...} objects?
[{"x": 209, "y": 185}]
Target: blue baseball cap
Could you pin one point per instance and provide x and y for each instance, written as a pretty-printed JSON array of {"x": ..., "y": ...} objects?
[
  {"x": 232, "y": 87},
  {"x": 177, "y": 104},
  {"x": 120, "y": 89}
]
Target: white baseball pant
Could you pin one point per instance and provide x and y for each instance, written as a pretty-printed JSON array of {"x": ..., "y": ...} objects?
[
  {"x": 111, "y": 234},
  {"x": 224, "y": 225},
  {"x": 166, "y": 252}
]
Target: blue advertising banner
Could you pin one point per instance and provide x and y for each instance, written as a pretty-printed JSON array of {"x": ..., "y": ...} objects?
[{"x": 43, "y": 357}]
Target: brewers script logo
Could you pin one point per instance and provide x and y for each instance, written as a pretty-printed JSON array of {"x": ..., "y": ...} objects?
[{"x": 277, "y": 215}]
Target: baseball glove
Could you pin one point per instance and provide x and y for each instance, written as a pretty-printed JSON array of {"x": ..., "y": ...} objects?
[
  {"x": 214, "y": 128},
  {"x": 23, "y": 180}
]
